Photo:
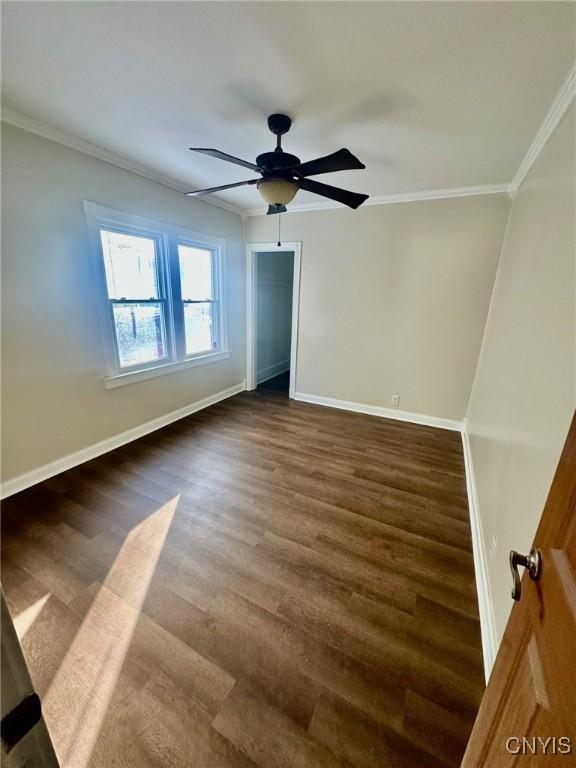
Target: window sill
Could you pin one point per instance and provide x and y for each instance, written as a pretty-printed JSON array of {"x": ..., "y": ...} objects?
[{"x": 121, "y": 379}]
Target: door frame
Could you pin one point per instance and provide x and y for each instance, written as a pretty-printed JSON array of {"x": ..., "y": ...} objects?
[{"x": 251, "y": 250}]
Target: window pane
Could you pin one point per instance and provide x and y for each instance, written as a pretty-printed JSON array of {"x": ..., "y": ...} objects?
[
  {"x": 140, "y": 333},
  {"x": 198, "y": 328},
  {"x": 130, "y": 263},
  {"x": 195, "y": 273}
]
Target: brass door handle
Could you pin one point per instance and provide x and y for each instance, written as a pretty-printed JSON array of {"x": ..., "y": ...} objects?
[{"x": 533, "y": 564}]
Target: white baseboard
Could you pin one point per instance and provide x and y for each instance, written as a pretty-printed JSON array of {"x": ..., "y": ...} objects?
[
  {"x": 272, "y": 370},
  {"x": 485, "y": 602},
  {"x": 376, "y": 410},
  {"x": 28, "y": 479}
]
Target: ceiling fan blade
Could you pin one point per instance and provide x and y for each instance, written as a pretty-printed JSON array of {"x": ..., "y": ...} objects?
[
  {"x": 343, "y": 160},
  {"x": 223, "y": 156},
  {"x": 224, "y": 186},
  {"x": 275, "y": 209},
  {"x": 351, "y": 199}
]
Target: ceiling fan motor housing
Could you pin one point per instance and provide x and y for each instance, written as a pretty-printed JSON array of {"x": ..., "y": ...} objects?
[{"x": 269, "y": 162}]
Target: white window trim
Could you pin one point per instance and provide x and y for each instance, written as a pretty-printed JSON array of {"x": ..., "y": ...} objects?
[
  {"x": 111, "y": 382},
  {"x": 169, "y": 236}
]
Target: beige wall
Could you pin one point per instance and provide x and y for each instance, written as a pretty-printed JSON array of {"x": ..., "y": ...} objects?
[
  {"x": 274, "y": 278},
  {"x": 524, "y": 392},
  {"x": 394, "y": 299},
  {"x": 54, "y": 401}
]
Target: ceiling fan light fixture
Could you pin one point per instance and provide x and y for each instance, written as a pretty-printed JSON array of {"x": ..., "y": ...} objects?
[{"x": 277, "y": 191}]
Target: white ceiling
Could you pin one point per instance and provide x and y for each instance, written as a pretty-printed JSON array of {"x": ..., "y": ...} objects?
[{"x": 430, "y": 95}]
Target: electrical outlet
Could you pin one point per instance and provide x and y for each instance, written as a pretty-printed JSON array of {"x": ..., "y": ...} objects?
[{"x": 395, "y": 400}]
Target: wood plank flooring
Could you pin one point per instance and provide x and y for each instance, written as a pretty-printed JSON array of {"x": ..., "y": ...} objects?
[{"x": 264, "y": 583}]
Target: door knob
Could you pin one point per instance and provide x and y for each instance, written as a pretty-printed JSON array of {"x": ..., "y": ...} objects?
[{"x": 533, "y": 564}]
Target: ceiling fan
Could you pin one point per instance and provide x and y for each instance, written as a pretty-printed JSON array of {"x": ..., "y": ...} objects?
[{"x": 282, "y": 174}]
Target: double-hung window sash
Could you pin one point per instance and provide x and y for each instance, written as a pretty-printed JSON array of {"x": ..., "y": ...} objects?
[
  {"x": 199, "y": 292},
  {"x": 137, "y": 298}
]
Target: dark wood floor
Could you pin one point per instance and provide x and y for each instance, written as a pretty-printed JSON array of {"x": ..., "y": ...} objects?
[
  {"x": 265, "y": 583},
  {"x": 277, "y": 385}
]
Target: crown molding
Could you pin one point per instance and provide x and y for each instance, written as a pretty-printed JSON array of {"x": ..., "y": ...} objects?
[
  {"x": 555, "y": 114},
  {"x": 406, "y": 197},
  {"x": 94, "y": 150}
]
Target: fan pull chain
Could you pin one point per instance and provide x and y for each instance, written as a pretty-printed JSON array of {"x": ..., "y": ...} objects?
[{"x": 279, "y": 217}]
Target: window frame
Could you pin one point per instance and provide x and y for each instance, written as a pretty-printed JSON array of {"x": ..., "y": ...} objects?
[
  {"x": 166, "y": 238},
  {"x": 215, "y": 302},
  {"x": 160, "y": 246}
]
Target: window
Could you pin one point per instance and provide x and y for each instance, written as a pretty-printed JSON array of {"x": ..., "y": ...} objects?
[
  {"x": 162, "y": 303},
  {"x": 197, "y": 286},
  {"x": 137, "y": 303}
]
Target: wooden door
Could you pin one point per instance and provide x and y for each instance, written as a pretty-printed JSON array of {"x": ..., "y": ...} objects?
[{"x": 528, "y": 713}]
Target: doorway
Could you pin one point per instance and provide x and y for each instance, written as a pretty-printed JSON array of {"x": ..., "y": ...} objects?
[{"x": 272, "y": 292}]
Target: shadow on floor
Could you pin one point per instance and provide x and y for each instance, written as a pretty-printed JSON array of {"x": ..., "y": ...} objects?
[{"x": 278, "y": 385}]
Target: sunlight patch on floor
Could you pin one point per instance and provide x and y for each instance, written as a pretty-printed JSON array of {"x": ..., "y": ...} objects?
[
  {"x": 78, "y": 698},
  {"x": 28, "y": 616}
]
